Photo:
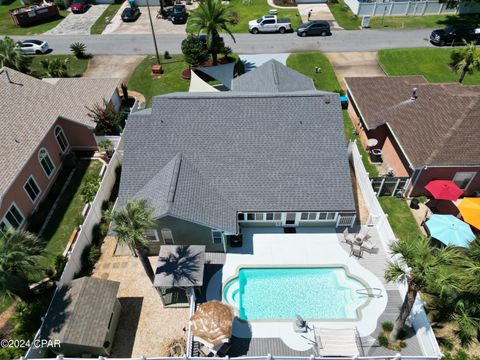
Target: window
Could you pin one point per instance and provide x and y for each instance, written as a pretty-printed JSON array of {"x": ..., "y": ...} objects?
[
  {"x": 13, "y": 217},
  {"x": 331, "y": 216},
  {"x": 250, "y": 216},
  {"x": 277, "y": 216},
  {"x": 259, "y": 216},
  {"x": 167, "y": 236},
  {"x": 32, "y": 189},
  {"x": 46, "y": 162},
  {"x": 151, "y": 235},
  {"x": 463, "y": 179},
  {"x": 61, "y": 139},
  {"x": 241, "y": 216},
  {"x": 325, "y": 216},
  {"x": 268, "y": 22},
  {"x": 217, "y": 236},
  {"x": 308, "y": 216},
  {"x": 269, "y": 216}
]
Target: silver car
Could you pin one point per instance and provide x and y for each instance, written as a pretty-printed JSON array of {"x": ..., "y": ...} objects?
[{"x": 34, "y": 47}]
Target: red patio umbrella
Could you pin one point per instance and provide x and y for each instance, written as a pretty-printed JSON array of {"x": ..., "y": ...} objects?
[{"x": 444, "y": 190}]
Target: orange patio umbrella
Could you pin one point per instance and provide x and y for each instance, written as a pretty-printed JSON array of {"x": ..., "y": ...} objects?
[{"x": 470, "y": 210}]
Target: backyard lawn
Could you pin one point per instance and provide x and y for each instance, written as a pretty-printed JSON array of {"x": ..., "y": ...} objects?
[
  {"x": 344, "y": 16},
  {"x": 104, "y": 19},
  {"x": 400, "y": 217},
  {"x": 431, "y": 63},
  {"x": 254, "y": 9},
  {"x": 430, "y": 21},
  {"x": 76, "y": 67},
  {"x": 66, "y": 217},
  {"x": 7, "y": 27},
  {"x": 170, "y": 81}
]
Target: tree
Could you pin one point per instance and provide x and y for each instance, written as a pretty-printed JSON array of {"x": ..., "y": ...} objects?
[
  {"x": 19, "y": 252},
  {"x": 108, "y": 120},
  {"x": 55, "y": 68},
  {"x": 194, "y": 50},
  {"x": 212, "y": 17},
  {"x": 465, "y": 60},
  {"x": 79, "y": 50},
  {"x": 11, "y": 56},
  {"x": 422, "y": 268},
  {"x": 130, "y": 224}
]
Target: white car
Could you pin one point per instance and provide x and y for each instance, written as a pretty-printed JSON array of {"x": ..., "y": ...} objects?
[{"x": 34, "y": 47}]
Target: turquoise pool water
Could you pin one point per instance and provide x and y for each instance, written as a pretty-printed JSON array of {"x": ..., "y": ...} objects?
[{"x": 281, "y": 293}]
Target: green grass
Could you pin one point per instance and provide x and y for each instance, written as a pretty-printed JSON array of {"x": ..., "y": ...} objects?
[
  {"x": 400, "y": 217},
  {"x": 306, "y": 62},
  {"x": 7, "y": 27},
  {"x": 170, "y": 81},
  {"x": 76, "y": 67},
  {"x": 344, "y": 16},
  {"x": 429, "y": 21},
  {"x": 104, "y": 19},
  {"x": 257, "y": 9},
  {"x": 431, "y": 63},
  {"x": 66, "y": 217}
]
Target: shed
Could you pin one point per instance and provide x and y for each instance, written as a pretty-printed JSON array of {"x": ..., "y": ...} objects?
[
  {"x": 83, "y": 317},
  {"x": 179, "y": 271}
]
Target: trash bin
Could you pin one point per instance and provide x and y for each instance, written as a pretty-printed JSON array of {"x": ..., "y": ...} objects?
[
  {"x": 344, "y": 102},
  {"x": 414, "y": 204},
  {"x": 376, "y": 155}
]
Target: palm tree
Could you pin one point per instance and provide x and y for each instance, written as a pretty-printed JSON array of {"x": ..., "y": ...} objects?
[
  {"x": 465, "y": 60},
  {"x": 211, "y": 17},
  {"x": 422, "y": 268},
  {"x": 19, "y": 252},
  {"x": 130, "y": 224},
  {"x": 11, "y": 56},
  {"x": 55, "y": 68}
]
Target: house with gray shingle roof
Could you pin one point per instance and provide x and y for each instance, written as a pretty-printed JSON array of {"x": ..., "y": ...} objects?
[
  {"x": 41, "y": 122},
  {"x": 212, "y": 163},
  {"x": 425, "y": 131},
  {"x": 83, "y": 317}
]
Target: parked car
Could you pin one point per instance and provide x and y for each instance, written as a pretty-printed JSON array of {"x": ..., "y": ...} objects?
[
  {"x": 34, "y": 47},
  {"x": 130, "y": 14},
  {"x": 79, "y": 6},
  {"x": 269, "y": 23},
  {"x": 452, "y": 35},
  {"x": 178, "y": 14},
  {"x": 315, "y": 27}
]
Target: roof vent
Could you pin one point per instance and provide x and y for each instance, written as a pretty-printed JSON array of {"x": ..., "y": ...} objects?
[
  {"x": 327, "y": 100},
  {"x": 414, "y": 94}
]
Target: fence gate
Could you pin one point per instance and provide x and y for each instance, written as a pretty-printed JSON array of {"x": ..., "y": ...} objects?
[{"x": 389, "y": 185}]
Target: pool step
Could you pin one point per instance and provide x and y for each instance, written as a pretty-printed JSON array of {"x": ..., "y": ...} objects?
[{"x": 231, "y": 293}]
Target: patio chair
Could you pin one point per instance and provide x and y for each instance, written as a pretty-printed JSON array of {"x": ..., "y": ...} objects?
[
  {"x": 369, "y": 245},
  {"x": 349, "y": 238},
  {"x": 356, "y": 250},
  {"x": 362, "y": 235}
]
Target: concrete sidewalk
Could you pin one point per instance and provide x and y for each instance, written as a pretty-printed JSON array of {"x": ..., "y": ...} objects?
[{"x": 319, "y": 12}]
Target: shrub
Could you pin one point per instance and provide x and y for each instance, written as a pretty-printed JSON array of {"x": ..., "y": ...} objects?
[
  {"x": 402, "y": 344},
  {"x": 55, "y": 68},
  {"x": 108, "y": 120},
  {"x": 93, "y": 255},
  {"x": 105, "y": 145},
  {"x": 61, "y": 4},
  {"x": 234, "y": 17},
  {"x": 383, "y": 341},
  {"x": 79, "y": 50},
  {"x": 99, "y": 231},
  {"x": 89, "y": 188},
  {"x": 60, "y": 262},
  {"x": 194, "y": 50},
  {"x": 387, "y": 326},
  {"x": 226, "y": 51}
]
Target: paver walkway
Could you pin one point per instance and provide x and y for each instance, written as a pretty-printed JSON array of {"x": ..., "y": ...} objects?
[{"x": 79, "y": 24}]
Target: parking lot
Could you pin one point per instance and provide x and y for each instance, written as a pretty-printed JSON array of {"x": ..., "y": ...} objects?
[{"x": 142, "y": 25}]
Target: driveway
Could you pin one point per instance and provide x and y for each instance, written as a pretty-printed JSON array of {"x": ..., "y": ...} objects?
[
  {"x": 319, "y": 12},
  {"x": 79, "y": 24},
  {"x": 349, "y": 64},
  {"x": 142, "y": 25},
  {"x": 113, "y": 66}
]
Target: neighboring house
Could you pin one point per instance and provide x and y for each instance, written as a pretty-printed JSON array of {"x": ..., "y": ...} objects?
[
  {"x": 41, "y": 122},
  {"x": 212, "y": 163},
  {"x": 426, "y": 131},
  {"x": 83, "y": 317}
]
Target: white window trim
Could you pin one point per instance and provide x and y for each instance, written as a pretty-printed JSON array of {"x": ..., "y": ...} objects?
[
  {"x": 171, "y": 233},
  {"x": 5, "y": 220},
  {"x": 471, "y": 179},
  {"x": 40, "y": 162},
  {"x": 221, "y": 234},
  {"x": 39, "y": 188},
  {"x": 155, "y": 232},
  {"x": 58, "y": 142}
]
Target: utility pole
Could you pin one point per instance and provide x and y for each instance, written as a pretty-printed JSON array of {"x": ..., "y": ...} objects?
[{"x": 153, "y": 33}]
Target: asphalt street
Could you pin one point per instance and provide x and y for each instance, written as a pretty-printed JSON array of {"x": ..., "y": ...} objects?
[{"x": 341, "y": 40}]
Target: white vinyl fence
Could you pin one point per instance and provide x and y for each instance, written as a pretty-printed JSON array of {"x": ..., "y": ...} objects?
[
  {"x": 379, "y": 219},
  {"x": 408, "y": 8}
]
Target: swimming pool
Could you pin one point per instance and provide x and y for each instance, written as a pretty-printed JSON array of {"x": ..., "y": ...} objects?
[{"x": 326, "y": 293}]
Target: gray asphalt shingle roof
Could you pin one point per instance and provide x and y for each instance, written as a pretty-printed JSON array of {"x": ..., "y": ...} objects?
[
  {"x": 272, "y": 76},
  {"x": 205, "y": 156},
  {"x": 80, "y": 312},
  {"x": 30, "y": 107}
]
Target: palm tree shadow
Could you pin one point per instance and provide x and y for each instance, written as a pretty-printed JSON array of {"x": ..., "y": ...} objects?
[{"x": 181, "y": 266}]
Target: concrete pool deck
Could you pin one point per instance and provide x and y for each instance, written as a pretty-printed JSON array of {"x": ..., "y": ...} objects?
[{"x": 309, "y": 247}]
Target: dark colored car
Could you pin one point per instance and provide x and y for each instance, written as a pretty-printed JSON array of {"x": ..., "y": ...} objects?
[
  {"x": 130, "y": 14},
  {"x": 178, "y": 14},
  {"x": 452, "y": 35},
  {"x": 79, "y": 6},
  {"x": 315, "y": 27}
]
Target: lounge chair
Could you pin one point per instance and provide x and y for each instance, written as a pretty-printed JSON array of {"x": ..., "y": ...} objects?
[
  {"x": 356, "y": 250},
  {"x": 337, "y": 342},
  {"x": 369, "y": 245},
  {"x": 349, "y": 238},
  {"x": 362, "y": 235}
]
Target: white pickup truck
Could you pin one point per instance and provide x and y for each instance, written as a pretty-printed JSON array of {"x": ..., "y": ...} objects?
[{"x": 269, "y": 23}]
